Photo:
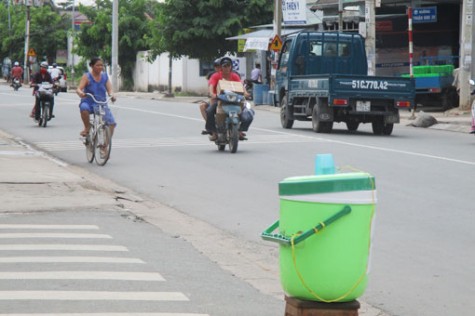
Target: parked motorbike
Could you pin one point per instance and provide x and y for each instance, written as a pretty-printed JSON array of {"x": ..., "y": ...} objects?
[
  {"x": 228, "y": 119},
  {"x": 45, "y": 94},
  {"x": 248, "y": 85},
  {"x": 56, "y": 86},
  {"x": 16, "y": 83}
]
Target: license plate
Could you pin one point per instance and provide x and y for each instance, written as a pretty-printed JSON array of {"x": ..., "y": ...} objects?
[{"x": 363, "y": 106}]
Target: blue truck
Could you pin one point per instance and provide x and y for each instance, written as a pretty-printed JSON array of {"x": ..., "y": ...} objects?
[{"x": 322, "y": 77}]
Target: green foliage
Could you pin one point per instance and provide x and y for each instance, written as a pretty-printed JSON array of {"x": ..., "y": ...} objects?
[
  {"x": 198, "y": 28},
  {"x": 194, "y": 28},
  {"x": 47, "y": 31},
  {"x": 95, "y": 39}
]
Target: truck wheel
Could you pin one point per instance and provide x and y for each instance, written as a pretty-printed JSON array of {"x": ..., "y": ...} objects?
[
  {"x": 285, "y": 120},
  {"x": 317, "y": 125},
  {"x": 380, "y": 128},
  {"x": 352, "y": 126}
]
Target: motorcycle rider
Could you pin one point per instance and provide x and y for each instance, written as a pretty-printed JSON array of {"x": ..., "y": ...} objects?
[
  {"x": 203, "y": 104},
  {"x": 54, "y": 72},
  {"x": 17, "y": 73},
  {"x": 247, "y": 115},
  {"x": 39, "y": 77}
]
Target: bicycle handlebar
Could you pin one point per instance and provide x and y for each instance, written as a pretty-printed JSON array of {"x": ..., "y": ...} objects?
[{"x": 97, "y": 101}]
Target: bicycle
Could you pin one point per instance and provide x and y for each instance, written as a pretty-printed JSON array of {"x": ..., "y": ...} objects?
[
  {"x": 45, "y": 94},
  {"x": 98, "y": 141}
]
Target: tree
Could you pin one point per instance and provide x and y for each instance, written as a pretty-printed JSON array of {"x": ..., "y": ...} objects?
[
  {"x": 95, "y": 39},
  {"x": 47, "y": 31},
  {"x": 199, "y": 28}
]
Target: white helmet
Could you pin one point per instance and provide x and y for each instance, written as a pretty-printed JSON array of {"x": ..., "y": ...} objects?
[
  {"x": 17, "y": 63},
  {"x": 44, "y": 64}
]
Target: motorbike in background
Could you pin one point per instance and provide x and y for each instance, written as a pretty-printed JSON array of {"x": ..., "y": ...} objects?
[
  {"x": 16, "y": 83},
  {"x": 472, "y": 84},
  {"x": 248, "y": 85},
  {"x": 56, "y": 86}
]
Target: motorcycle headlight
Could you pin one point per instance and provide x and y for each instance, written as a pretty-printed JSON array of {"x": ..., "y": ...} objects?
[{"x": 231, "y": 97}]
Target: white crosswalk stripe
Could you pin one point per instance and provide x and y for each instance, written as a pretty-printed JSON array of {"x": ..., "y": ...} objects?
[
  {"x": 56, "y": 146},
  {"x": 109, "y": 314},
  {"x": 53, "y": 235},
  {"x": 40, "y": 273},
  {"x": 62, "y": 247},
  {"x": 81, "y": 275},
  {"x": 92, "y": 296},
  {"x": 47, "y": 227},
  {"x": 71, "y": 259}
]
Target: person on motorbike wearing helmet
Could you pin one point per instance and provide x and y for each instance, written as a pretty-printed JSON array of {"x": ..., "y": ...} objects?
[
  {"x": 54, "y": 72},
  {"x": 17, "y": 72},
  {"x": 226, "y": 74},
  {"x": 203, "y": 104},
  {"x": 38, "y": 78}
]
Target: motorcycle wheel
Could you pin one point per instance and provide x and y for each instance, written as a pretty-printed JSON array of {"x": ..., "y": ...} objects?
[
  {"x": 40, "y": 121},
  {"x": 45, "y": 114},
  {"x": 233, "y": 135}
]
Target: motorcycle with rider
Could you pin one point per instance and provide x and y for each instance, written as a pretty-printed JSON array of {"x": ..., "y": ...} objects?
[
  {"x": 17, "y": 76},
  {"x": 228, "y": 117},
  {"x": 42, "y": 84}
]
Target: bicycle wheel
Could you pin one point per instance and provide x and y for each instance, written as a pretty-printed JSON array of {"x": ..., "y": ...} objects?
[
  {"x": 89, "y": 143},
  {"x": 103, "y": 145},
  {"x": 45, "y": 114}
]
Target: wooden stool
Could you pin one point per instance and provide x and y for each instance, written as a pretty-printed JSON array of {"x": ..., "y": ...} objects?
[{"x": 297, "y": 307}]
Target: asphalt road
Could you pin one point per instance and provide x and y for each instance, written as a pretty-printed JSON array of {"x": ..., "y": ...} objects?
[{"x": 423, "y": 237}]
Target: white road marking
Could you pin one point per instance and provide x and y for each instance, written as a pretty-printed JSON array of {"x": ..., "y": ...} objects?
[
  {"x": 92, "y": 296},
  {"x": 108, "y": 314},
  {"x": 27, "y": 226},
  {"x": 67, "y": 247},
  {"x": 53, "y": 235},
  {"x": 82, "y": 275},
  {"x": 405, "y": 152},
  {"x": 52, "y": 259},
  {"x": 56, "y": 146}
]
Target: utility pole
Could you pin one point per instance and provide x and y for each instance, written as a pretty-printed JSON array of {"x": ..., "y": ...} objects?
[
  {"x": 370, "y": 36},
  {"x": 26, "y": 72},
  {"x": 115, "y": 45},
  {"x": 278, "y": 17},
  {"x": 73, "y": 35},
  {"x": 340, "y": 15},
  {"x": 466, "y": 54}
]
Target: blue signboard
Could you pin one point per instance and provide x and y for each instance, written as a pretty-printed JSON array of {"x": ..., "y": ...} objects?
[{"x": 424, "y": 15}]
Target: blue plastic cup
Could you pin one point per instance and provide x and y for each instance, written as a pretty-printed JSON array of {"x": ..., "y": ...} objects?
[{"x": 324, "y": 164}]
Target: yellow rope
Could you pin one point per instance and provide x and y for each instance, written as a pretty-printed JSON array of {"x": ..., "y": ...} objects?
[{"x": 360, "y": 279}]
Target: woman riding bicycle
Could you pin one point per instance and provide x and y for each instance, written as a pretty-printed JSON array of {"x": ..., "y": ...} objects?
[{"x": 97, "y": 83}]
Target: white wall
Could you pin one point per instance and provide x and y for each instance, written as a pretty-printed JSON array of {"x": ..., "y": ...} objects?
[{"x": 185, "y": 74}]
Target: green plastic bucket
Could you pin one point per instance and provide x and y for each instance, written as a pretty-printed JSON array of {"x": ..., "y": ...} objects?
[{"x": 331, "y": 263}]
